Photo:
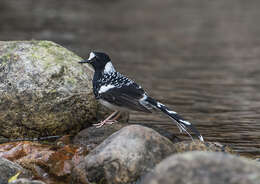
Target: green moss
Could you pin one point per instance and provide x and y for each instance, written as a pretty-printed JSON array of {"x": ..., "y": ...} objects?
[
  {"x": 6, "y": 58},
  {"x": 59, "y": 74},
  {"x": 11, "y": 46},
  {"x": 3, "y": 60},
  {"x": 46, "y": 44},
  {"x": 56, "y": 54},
  {"x": 35, "y": 57},
  {"x": 71, "y": 80},
  {"x": 52, "y": 91}
]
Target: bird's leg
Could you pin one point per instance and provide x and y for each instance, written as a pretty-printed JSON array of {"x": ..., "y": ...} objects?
[
  {"x": 107, "y": 120},
  {"x": 114, "y": 120}
]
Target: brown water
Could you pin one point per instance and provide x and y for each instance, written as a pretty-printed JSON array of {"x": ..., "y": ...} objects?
[{"x": 200, "y": 58}]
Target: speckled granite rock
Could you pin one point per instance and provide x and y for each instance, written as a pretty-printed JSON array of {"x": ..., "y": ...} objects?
[
  {"x": 204, "y": 168},
  {"x": 43, "y": 90},
  {"x": 196, "y": 145},
  {"x": 124, "y": 156}
]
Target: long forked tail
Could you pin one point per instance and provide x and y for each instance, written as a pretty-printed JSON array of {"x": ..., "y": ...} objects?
[{"x": 181, "y": 123}]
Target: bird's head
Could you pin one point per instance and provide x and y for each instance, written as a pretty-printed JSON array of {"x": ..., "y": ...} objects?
[{"x": 100, "y": 61}]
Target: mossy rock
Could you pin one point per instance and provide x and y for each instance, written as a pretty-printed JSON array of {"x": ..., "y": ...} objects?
[{"x": 43, "y": 90}]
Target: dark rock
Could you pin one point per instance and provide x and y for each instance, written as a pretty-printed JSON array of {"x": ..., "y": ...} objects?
[
  {"x": 92, "y": 136},
  {"x": 9, "y": 169},
  {"x": 204, "y": 168},
  {"x": 124, "y": 156},
  {"x": 43, "y": 90},
  {"x": 164, "y": 132},
  {"x": 26, "y": 181}
]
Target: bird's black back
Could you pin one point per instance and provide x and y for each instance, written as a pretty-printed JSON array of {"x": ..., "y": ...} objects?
[{"x": 125, "y": 93}]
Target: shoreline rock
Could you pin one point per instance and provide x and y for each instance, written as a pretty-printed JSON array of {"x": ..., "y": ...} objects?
[
  {"x": 129, "y": 152},
  {"x": 91, "y": 137},
  {"x": 204, "y": 168},
  {"x": 9, "y": 169},
  {"x": 43, "y": 90},
  {"x": 124, "y": 156}
]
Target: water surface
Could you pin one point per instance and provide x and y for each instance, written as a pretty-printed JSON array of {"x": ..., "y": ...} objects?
[{"x": 200, "y": 58}]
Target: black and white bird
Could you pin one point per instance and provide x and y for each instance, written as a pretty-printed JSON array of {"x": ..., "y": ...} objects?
[{"x": 120, "y": 93}]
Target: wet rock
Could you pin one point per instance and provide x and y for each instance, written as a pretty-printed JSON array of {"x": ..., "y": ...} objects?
[
  {"x": 204, "y": 168},
  {"x": 124, "y": 156},
  {"x": 43, "y": 90},
  {"x": 92, "y": 136},
  {"x": 26, "y": 181},
  {"x": 9, "y": 169},
  {"x": 164, "y": 132},
  {"x": 196, "y": 145}
]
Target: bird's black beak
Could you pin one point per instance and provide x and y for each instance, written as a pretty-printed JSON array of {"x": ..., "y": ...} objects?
[{"x": 84, "y": 61}]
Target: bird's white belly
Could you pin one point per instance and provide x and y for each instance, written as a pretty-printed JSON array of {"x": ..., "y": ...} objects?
[{"x": 111, "y": 106}]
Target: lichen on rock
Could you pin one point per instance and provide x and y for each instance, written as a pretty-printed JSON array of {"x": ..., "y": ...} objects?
[{"x": 43, "y": 90}]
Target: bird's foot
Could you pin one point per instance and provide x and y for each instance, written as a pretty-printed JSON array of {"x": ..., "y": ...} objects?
[{"x": 109, "y": 122}]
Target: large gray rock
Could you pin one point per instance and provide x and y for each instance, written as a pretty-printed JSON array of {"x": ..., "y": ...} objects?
[
  {"x": 204, "y": 168},
  {"x": 124, "y": 156},
  {"x": 43, "y": 90},
  {"x": 9, "y": 169}
]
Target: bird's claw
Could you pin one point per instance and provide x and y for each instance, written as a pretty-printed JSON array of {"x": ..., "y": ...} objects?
[{"x": 109, "y": 122}]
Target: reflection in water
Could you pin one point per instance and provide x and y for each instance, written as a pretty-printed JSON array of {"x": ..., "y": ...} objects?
[{"x": 199, "y": 58}]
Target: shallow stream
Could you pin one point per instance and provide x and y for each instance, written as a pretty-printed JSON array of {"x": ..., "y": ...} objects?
[{"x": 202, "y": 59}]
